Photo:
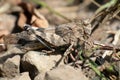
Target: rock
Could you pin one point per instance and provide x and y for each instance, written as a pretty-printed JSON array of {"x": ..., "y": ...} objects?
[
  {"x": 65, "y": 73},
  {"x": 2, "y": 47},
  {"x": 12, "y": 51},
  {"x": 23, "y": 76},
  {"x": 10, "y": 68},
  {"x": 1, "y": 78},
  {"x": 36, "y": 63},
  {"x": 40, "y": 76}
]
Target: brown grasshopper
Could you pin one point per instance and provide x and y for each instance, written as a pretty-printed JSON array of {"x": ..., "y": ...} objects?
[{"x": 73, "y": 33}]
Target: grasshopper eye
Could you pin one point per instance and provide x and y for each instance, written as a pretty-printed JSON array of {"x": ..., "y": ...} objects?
[{"x": 26, "y": 27}]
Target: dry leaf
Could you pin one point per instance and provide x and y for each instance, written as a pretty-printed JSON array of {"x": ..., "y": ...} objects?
[
  {"x": 31, "y": 16},
  {"x": 22, "y": 20},
  {"x": 39, "y": 22}
]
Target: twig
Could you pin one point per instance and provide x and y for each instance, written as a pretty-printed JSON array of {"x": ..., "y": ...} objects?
[
  {"x": 68, "y": 51},
  {"x": 72, "y": 57},
  {"x": 107, "y": 5},
  {"x": 97, "y": 4},
  {"x": 116, "y": 39},
  {"x": 106, "y": 47},
  {"x": 116, "y": 12}
]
